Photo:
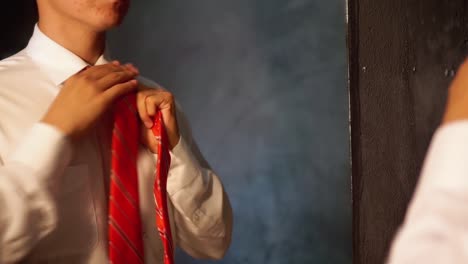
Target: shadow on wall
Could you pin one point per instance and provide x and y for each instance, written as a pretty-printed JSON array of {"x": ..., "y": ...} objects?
[{"x": 264, "y": 85}]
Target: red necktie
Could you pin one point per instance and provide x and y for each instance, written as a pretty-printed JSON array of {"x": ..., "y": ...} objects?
[{"x": 125, "y": 239}]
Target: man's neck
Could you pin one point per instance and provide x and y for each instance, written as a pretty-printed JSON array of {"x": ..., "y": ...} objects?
[{"x": 79, "y": 39}]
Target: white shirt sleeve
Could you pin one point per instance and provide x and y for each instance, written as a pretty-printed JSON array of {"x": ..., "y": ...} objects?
[
  {"x": 436, "y": 225},
  {"x": 203, "y": 214},
  {"x": 28, "y": 179}
]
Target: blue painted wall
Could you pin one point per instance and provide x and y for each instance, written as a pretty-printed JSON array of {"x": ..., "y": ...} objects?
[{"x": 264, "y": 85}]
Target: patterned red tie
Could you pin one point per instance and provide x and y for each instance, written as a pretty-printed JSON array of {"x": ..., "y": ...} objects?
[
  {"x": 125, "y": 228},
  {"x": 159, "y": 188}
]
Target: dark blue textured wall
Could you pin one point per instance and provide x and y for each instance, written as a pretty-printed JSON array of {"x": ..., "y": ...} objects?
[{"x": 264, "y": 85}]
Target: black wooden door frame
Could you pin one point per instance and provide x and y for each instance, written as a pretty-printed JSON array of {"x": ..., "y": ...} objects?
[{"x": 402, "y": 55}]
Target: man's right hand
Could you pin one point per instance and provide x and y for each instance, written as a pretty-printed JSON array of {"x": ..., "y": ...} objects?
[{"x": 86, "y": 95}]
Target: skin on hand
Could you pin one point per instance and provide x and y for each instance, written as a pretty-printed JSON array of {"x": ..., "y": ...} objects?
[
  {"x": 149, "y": 100},
  {"x": 457, "y": 102},
  {"x": 86, "y": 95}
]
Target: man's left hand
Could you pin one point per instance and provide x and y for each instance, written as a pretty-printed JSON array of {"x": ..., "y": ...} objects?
[{"x": 149, "y": 100}]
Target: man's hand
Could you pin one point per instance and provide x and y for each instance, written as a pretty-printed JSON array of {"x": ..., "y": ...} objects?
[
  {"x": 149, "y": 100},
  {"x": 457, "y": 102},
  {"x": 86, "y": 95}
]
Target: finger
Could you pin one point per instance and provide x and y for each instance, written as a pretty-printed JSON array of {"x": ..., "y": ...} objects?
[
  {"x": 149, "y": 140},
  {"x": 160, "y": 101},
  {"x": 99, "y": 71},
  {"x": 141, "y": 106},
  {"x": 132, "y": 68},
  {"x": 135, "y": 68},
  {"x": 116, "y": 91},
  {"x": 114, "y": 78},
  {"x": 152, "y": 103},
  {"x": 84, "y": 69}
]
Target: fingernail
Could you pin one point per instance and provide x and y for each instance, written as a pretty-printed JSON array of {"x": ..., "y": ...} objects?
[
  {"x": 129, "y": 67},
  {"x": 135, "y": 69},
  {"x": 116, "y": 62}
]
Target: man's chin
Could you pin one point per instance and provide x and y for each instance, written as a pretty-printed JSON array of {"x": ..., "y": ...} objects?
[
  {"x": 111, "y": 18},
  {"x": 109, "y": 24}
]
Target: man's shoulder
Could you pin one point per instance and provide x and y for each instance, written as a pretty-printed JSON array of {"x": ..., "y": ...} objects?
[
  {"x": 149, "y": 83},
  {"x": 15, "y": 67},
  {"x": 17, "y": 73},
  {"x": 152, "y": 84},
  {"x": 15, "y": 62}
]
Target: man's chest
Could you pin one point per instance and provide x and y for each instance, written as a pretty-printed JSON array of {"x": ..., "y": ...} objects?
[{"x": 23, "y": 102}]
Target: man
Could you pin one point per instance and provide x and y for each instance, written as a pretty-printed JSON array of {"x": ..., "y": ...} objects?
[
  {"x": 436, "y": 225},
  {"x": 56, "y": 97}
]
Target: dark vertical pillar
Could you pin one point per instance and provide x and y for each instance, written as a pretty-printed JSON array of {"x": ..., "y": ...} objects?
[
  {"x": 403, "y": 55},
  {"x": 17, "y": 19}
]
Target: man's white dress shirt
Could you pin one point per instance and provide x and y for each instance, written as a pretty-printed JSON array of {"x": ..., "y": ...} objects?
[
  {"x": 54, "y": 193},
  {"x": 436, "y": 225}
]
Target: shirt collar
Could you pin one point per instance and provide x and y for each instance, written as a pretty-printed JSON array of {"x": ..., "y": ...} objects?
[{"x": 54, "y": 60}]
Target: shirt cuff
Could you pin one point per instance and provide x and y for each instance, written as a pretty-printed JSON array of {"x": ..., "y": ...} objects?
[
  {"x": 447, "y": 160},
  {"x": 44, "y": 149},
  {"x": 184, "y": 167}
]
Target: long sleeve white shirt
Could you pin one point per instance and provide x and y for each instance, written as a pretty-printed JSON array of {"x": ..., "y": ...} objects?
[
  {"x": 54, "y": 193},
  {"x": 435, "y": 230}
]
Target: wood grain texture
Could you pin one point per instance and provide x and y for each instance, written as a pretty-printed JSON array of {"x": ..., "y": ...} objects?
[{"x": 403, "y": 55}]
